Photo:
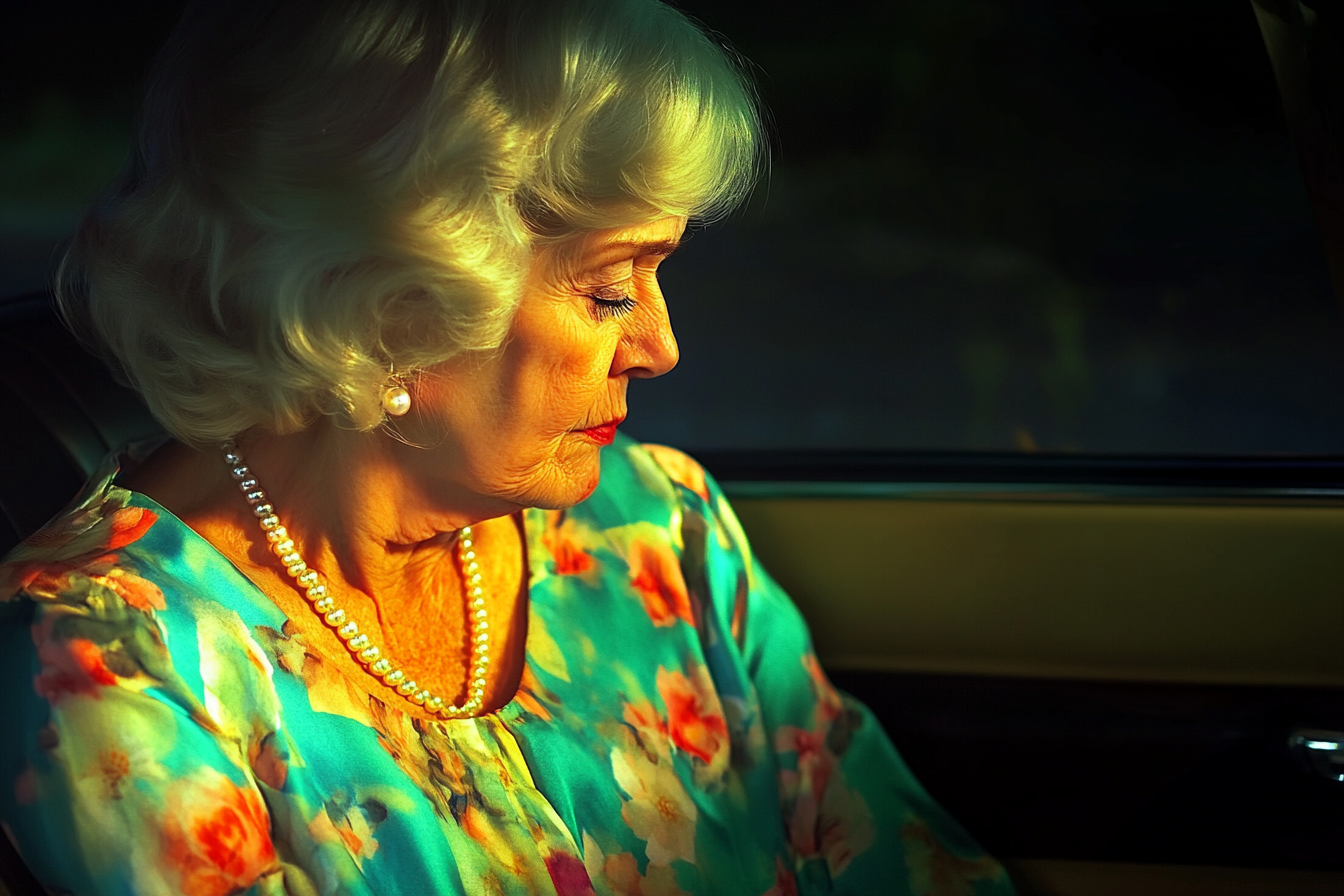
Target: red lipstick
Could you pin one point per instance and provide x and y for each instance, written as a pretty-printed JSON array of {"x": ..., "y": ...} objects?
[{"x": 604, "y": 434}]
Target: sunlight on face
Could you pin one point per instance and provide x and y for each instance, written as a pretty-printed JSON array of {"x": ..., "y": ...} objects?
[{"x": 525, "y": 424}]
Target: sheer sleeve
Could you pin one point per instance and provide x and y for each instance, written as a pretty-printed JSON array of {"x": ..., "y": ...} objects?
[{"x": 856, "y": 819}]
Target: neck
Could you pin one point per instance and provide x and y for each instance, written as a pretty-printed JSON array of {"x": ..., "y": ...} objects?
[{"x": 370, "y": 513}]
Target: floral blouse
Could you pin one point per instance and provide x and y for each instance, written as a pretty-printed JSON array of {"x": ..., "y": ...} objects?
[{"x": 169, "y": 732}]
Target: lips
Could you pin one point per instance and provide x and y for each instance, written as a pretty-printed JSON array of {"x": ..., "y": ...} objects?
[{"x": 604, "y": 434}]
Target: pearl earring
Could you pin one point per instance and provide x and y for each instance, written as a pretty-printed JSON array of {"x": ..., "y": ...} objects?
[{"x": 396, "y": 400}]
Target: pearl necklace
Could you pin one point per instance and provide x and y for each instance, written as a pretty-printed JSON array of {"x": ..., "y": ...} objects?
[{"x": 364, "y": 650}]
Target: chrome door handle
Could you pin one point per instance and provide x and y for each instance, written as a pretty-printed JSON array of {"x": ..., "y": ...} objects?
[{"x": 1319, "y": 751}]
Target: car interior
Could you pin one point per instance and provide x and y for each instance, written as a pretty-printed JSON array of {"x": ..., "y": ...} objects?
[{"x": 1121, "y": 671}]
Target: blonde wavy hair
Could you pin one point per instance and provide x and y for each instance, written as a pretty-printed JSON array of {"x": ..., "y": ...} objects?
[{"x": 323, "y": 190}]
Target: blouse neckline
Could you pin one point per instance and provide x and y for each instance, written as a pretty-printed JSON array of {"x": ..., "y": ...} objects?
[{"x": 533, "y": 525}]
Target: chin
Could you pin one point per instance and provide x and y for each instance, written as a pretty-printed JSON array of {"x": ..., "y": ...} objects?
[{"x": 571, "y": 484}]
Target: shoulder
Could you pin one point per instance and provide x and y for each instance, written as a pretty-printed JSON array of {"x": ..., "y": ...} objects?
[
  {"x": 82, "y": 552},
  {"x": 108, "y": 598}
]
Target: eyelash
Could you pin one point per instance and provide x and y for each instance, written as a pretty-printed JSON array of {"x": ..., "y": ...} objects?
[{"x": 606, "y": 309}]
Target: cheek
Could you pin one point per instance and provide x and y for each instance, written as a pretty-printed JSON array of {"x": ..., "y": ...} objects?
[{"x": 581, "y": 370}]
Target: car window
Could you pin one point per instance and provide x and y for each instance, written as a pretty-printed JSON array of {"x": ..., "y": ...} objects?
[
  {"x": 1043, "y": 226},
  {"x": 988, "y": 225}
]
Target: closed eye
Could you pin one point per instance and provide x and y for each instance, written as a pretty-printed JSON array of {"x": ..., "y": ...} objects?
[{"x": 608, "y": 307}]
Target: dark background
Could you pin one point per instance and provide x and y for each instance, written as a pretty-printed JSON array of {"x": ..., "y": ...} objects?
[{"x": 1053, "y": 226}]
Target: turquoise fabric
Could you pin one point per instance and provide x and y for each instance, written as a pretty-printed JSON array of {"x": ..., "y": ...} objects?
[{"x": 169, "y": 734}]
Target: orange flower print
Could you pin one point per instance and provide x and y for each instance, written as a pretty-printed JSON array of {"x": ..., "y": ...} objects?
[
  {"x": 83, "y": 543},
  {"x": 694, "y": 717},
  {"x": 127, "y": 525},
  {"x": 649, "y": 726},
  {"x": 656, "y": 575},
  {"x": 69, "y": 668},
  {"x": 680, "y": 468},
  {"x": 216, "y": 835},
  {"x": 559, "y": 537}
]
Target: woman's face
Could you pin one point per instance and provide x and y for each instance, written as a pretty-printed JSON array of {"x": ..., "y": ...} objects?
[{"x": 525, "y": 423}]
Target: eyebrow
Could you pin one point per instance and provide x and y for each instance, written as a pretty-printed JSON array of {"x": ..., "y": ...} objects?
[{"x": 659, "y": 247}]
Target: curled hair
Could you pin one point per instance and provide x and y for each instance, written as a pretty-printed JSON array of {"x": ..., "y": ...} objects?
[{"x": 324, "y": 189}]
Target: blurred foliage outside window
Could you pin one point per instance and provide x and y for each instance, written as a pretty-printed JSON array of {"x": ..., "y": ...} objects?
[{"x": 1035, "y": 226}]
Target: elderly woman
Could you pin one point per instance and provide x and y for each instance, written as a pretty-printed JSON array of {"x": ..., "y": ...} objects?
[{"x": 396, "y": 611}]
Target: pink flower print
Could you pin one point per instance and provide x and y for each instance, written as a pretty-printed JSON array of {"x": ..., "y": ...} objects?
[
  {"x": 568, "y": 875},
  {"x": 807, "y": 785}
]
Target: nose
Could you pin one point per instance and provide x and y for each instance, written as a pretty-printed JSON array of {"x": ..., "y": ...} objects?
[{"x": 648, "y": 348}]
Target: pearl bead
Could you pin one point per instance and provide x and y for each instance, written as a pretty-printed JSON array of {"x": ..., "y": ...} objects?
[{"x": 359, "y": 643}]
